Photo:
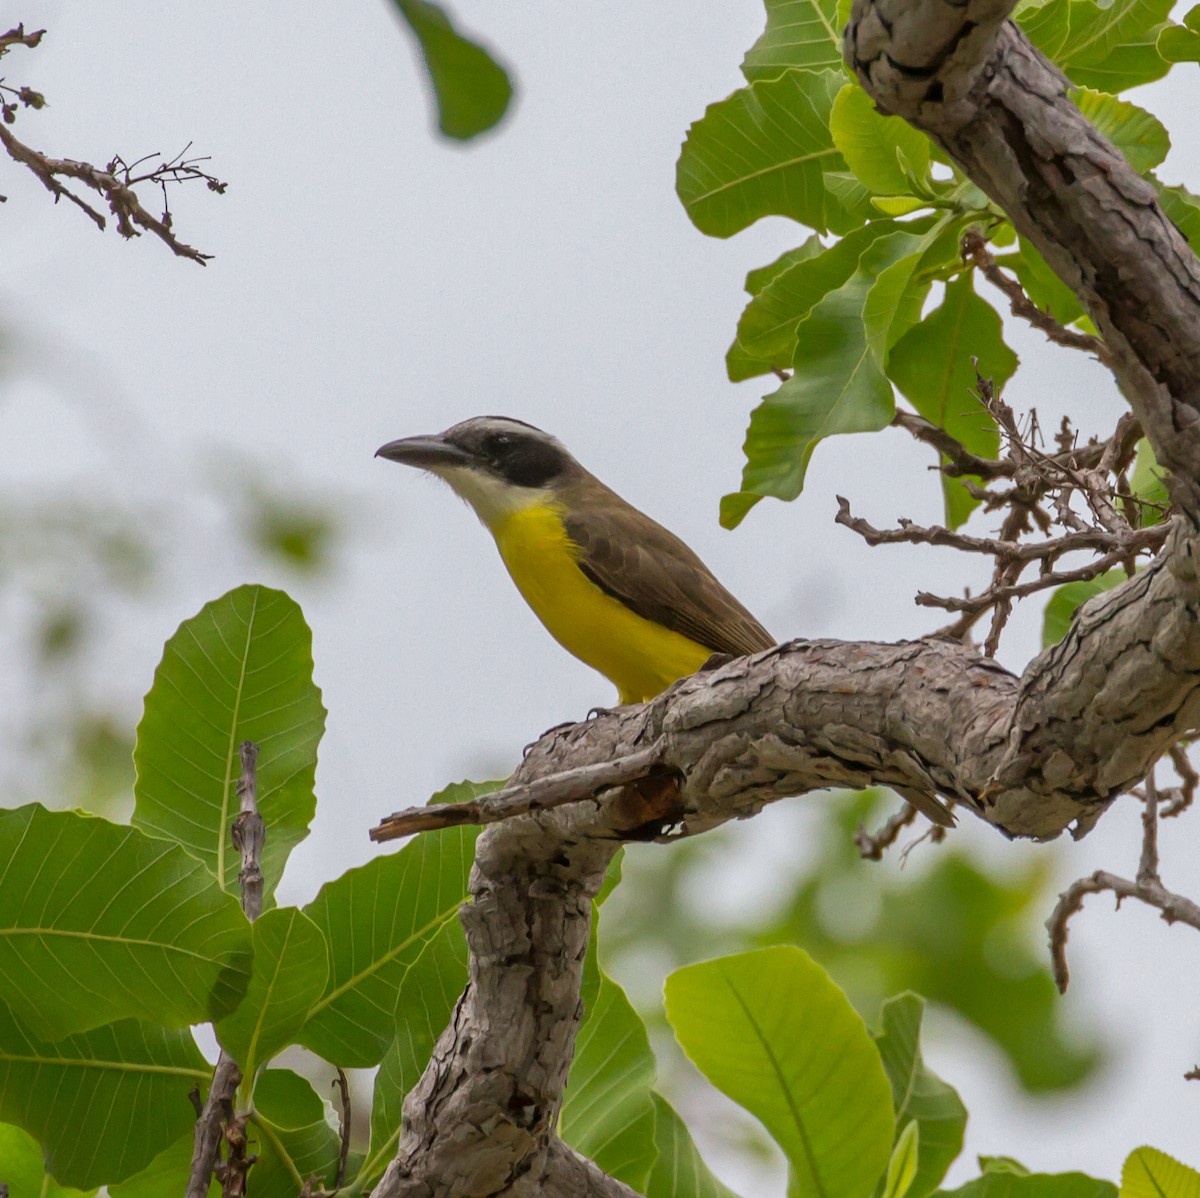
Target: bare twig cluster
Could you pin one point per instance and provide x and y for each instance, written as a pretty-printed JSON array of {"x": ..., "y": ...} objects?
[
  {"x": 114, "y": 183},
  {"x": 1146, "y": 886}
]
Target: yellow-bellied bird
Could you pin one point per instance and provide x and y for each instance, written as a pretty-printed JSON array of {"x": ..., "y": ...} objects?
[{"x": 611, "y": 586}]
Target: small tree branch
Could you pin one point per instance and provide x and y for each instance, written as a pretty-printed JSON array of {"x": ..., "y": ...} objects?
[
  {"x": 219, "y": 1122},
  {"x": 871, "y": 846},
  {"x": 343, "y": 1088}
]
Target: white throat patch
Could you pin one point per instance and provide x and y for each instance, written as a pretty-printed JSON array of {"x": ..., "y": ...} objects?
[{"x": 493, "y": 499}]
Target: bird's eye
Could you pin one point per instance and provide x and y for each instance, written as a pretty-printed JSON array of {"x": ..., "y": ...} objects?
[{"x": 500, "y": 441}]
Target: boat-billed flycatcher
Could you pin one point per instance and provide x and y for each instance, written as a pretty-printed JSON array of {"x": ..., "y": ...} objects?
[{"x": 611, "y": 586}]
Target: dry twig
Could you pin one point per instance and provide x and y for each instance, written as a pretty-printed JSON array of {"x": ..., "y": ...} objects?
[
  {"x": 343, "y": 1088},
  {"x": 1146, "y": 887},
  {"x": 871, "y": 846}
]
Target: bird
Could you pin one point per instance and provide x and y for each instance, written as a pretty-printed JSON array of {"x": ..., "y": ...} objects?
[{"x": 611, "y": 585}]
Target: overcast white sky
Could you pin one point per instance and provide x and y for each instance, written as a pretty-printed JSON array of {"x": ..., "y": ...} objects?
[{"x": 372, "y": 281}]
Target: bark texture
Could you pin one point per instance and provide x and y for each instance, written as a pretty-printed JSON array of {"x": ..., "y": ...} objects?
[{"x": 1033, "y": 755}]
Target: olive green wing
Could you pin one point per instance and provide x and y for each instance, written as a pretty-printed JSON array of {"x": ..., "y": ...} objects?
[{"x": 654, "y": 574}]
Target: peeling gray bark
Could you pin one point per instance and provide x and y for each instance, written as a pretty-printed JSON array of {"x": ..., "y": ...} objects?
[{"x": 1033, "y": 756}]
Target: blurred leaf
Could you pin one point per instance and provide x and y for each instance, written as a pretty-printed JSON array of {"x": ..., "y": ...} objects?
[
  {"x": 933, "y": 364},
  {"x": 377, "y": 921},
  {"x": 607, "y": 1112},
  {"x": 920, "y": 1097},
  {"x": 679, "y": 1171},
  {"x": 241, "y": 669},
  {"x": 772, "y": 1031},
  {"x": 799, "y": 33},
  {"x": 902, "y": 1167},
  {"x": 101, "y": 923},
  {"x": 1068, "y": 598},
  {"x": 291, "y": 968},
  {"x": 166, "y": 1176},
  {"x": 1042, "y": 285},
  {"x": 471, "y": 88},
  {"x": 1111, "y": 46},
  {"x": 1002, "y": 1164},
  {"x": 1183, "y": 209},
  {"x": 1147, "y": 484},
  {"x": 1138, "y": 134},
  {"x": 294, "y": 1141},
  {"x": 835, "y": 388},
  {"x": 22, "y": 1168},
  {"x": 761, "y": 152},
  {"x": 102, "y": 1104},
  {"x": 1181, "y": 43},
  {"x": 1148, "y": 1173},
  {"x": 425, "y": 1005},
  {"x": 874, "y": 145},
  {"x": 1034, "y": 1185}
]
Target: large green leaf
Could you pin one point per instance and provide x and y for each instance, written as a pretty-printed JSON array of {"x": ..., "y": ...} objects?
[
  {"x": 291, "y": 967},
  {"x": 23, "y": 1170},
  {"x": 239, "y": 670},
  {"x": 99, "y": 922},
  {"x": 164, "y": 1177},
  {"x": 1068, "y": 598},
  {"x": 428, "y": 993},
  {"x": 772, "y": 1031},
  {"x": 1111, "y": 46},
  {"x": 102, "y": 1104},
  {"x": 836, "y": 387},
  {"x": 608, "y": 1112},
  {"x": 294, "y": 1141},
  {"x": 878, "y": 149},
  {"x": 1138, "y": 134},
  {"x": 377, "y": 920},
  {"x": 1183, "y": 208},
  {"x": 799, "y": 33},
  {"x": 1148, "y": 1173},
  {"x": 1003, "y": 1184},
  {"x": 679, "y": 1170},
  {"x": 761, "y": 152},
  {"x": 919, "y": 1095},
  {"x": 934, "y": 365},
  {"x": 471, "y": 88},
  {"x": 1147, "y": 481}
]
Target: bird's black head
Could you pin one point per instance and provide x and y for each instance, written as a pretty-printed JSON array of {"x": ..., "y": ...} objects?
[{"x": 508, "y": 450}]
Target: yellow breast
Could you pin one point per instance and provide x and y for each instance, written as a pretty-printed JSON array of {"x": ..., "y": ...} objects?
[{"x": 640, "y": 657}]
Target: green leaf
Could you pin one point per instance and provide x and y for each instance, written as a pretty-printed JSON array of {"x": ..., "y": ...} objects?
[
  {"x": 239, "y": 670},
  {"x": 932, "y": 365},
  {"x": 772, "y": 1031},
  {"x": 1002, "y": 1164},
  {"x": 679, "y": 1171},
  {"x": 1033, "y": 1185},
  {"x": 102, "y": 1104},
  {"x": 836, "y": 388},
  {"x": 291, "y": 967},
  {"x": 1042, "y": 285},
  {"x": 767, "y": 327},
  {"x": 165, "y": 1177},
  {"x": 873, "y": 145},
  {"x": 471, "y": 88},
  {"x": 1148, "y": 1173},
  {"x": 1181, "y": 43},
  {"x": 898, "y": 205},
  {"x": 1067, "y": 600},
  {"x": 1146, "y": 482},
  {"x": 1183, "y": 209},
  {"x": 377, "y": 920},
  {"x": 427, "y": 997},
  {"x": 608, "y": 1112},
  {"x": 756, "y": 280},
  {"x": 99, "y": 923},
  {"x": 761, "y": 152},
  {"x": 799, "y": 33},
  {"x": 1111, "y": 46},
  {"x": 902, "y": 1167},
  {"x": 24, "y": 1172},
  {"x": 1138, "y": 134},
  {"x": 919, "y": 1096},
  {"x": 294, "y": 1141},
  {"x": 1047, "y": 25}
]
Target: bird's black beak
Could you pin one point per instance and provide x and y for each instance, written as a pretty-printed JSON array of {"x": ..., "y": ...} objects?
[{"x": 426, "y": 453}]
